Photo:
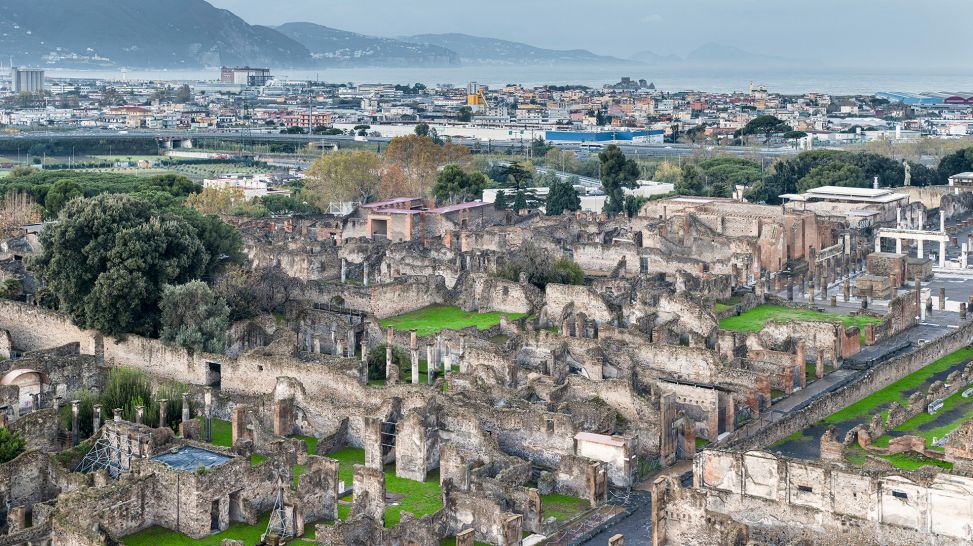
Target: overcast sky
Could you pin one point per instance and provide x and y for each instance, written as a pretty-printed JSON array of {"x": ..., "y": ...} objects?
[{"x": 846, "y": 32}]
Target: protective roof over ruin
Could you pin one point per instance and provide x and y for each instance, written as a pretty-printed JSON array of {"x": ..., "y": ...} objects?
[{"x": 190, "y": 458}]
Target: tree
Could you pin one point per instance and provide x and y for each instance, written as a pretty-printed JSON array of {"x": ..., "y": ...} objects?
[
  {"x": 520, "y": 201},
  {"x": 957, "y": 162},
  {"x": 617, "y": 173},
  {"x": 832, "y": 174},
  {"x": 667, "y": 172},
  {"x": 422, "y": 129},
  {"x": 376, "y": 360},
  {"x": 500, "y": 203},
  {"x": 343, "y": 176},
  {"x": 12, "y": 444},
  {"x": 562, "y": 197},
  {"x": 17, "y": 209},
  {"x": 765, "y": 125},
  {"x": 108, "y": 257},
  {"x": 454, "y": 185},
  {"x": 183, "y": 94},
  {"x": 217, "y": 200},
  {"x": 417, "y": 160},
  {"x": 633, "y": 204},
  {"x": 60, "y": 193},
  {"x": 539, "y": 148},
  {"x": 541, "y": 267},
  {"x": 193, "y": 316},
  {"x": 465, "y": 114},
  {"x": 692, "y": 181}
]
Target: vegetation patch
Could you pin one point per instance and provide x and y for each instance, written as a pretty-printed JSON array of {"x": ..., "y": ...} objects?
[
  {"x": 899, "y": 391},
  {"x": 755, "y": 319},
  {"x": 436, "y": 318},
  {"x": 249, "y": 534},
  {"x": 562, "y": 507}
]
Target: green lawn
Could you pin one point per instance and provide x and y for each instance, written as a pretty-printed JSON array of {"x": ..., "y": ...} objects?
[
  {"x": 897, "y": 391},
  {"x": 249, "y": 534},
  {"x": 420, "y": 499},
  {"x": 435, "y": 318},
  {"x": 942, "y": 428},
  {"x": 222, "y": 434},
  {"x": 755, "y": 319},
  {"x": 562, "y": 507}
]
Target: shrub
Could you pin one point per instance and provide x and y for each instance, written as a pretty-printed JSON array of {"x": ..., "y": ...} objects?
[{"x": 12, "y": 444}]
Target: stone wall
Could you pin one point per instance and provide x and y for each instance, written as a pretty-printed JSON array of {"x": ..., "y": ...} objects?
[
  {"x": 876, "y": 378},
  {"x": 799, "y": 500}
]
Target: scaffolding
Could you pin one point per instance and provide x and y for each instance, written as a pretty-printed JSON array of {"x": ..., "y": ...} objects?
[
  {"x": 107, "y": 455},
  {"x": 279, "y": 526}
]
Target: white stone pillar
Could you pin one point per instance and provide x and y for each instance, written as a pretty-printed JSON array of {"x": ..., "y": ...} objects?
[
  {"x": 898, "y": 217},
  {"x": 964, "y": 256},
  {"x": 919, "y": 248},
  {"x": 942, "y": 253},
  {"x": 942, "y": 221},
  {"x": 898, "y": 245},
  {"x": 878, "y": 243}
]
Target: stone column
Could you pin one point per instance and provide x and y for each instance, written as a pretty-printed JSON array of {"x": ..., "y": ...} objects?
[
  {"x": 893, "y": 289},
  {"x": 208, "y": 413},
  {"x": 350, "y": 344},
  {"x": 388, "y": 355},
  {"x": 942, "y": 299},
  {"x": 238, "y": 423},
  {"x": 117, "y": 415},
  {"x": 316, "y": 343},
  {"x": 878, "y": 243},
  {"x": 919, "y": 248},
  {"x": 96, "y": 417},
  {"x": 898, "y": 245},
  {"x": 846, "y": 289},
  {"x": 414, "y": 353},
  {"x": 819, "y": 364},
  {"x": 430, "y": 363},
  {"x": 834, "y": 301},
  {"x": 75, "y": 433},
  {"x": 344, "y": 270},
  {"x": 364, "y": 349},
  {"x": 942, "y": 253},
  {"x": 186, "y": 415},
  {"x": 139, "y": 414},
  {"x": 163, "y": 404},
  {"x": 334, "y": 341},
  {"x": 365, "y": 273},
  {"x": 962, "y": 310},
  {"x": 964, "y": 256}
]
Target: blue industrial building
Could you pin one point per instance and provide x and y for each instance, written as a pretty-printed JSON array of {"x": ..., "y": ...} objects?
[
  {"x": 928, "y": 99},
  {"x": 643, "y": 135}
]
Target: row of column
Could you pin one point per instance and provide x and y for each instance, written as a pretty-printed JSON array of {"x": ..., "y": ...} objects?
[{"x": 435, "y": 360}]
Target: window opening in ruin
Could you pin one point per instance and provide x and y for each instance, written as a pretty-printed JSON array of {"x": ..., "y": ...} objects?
[
  {"x": 260, "y": 367},
  {"x": 643, "y": 265},
  {"x": 214, "y": 374},
  {"x": 805, "y": 489},
  {"x": 550, "y": 425},
  {"x": 900, "y": 495}
]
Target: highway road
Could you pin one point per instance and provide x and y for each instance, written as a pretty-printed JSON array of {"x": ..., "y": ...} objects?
[{"x": 638, "y": 149}]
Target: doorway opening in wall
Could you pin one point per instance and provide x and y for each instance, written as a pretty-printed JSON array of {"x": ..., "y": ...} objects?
[
  {"x": 213, "y": 374},
  {"x": 214, "y": 516}
]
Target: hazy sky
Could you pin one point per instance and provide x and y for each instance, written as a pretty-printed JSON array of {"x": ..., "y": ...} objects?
[{"x": 840, "y": 32}]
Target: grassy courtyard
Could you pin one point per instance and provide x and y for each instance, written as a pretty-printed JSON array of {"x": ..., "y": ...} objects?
[
  {"x": 755, "y": 319},
  {"x": 955, "y": 412},
  {"x": 249, "y": 534},
  {"x": 562, "y": 507},
  {"x": 435, "y": 318},
  {"x": 418, "y": 498}
]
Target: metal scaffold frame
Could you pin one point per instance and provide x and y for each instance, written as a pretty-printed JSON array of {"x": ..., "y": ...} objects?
[
  {"x": 105, "y": 455},
  {"x": 278, "y": 525}
]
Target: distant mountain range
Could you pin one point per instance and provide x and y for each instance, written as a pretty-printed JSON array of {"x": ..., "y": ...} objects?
[
  {"x": 193, "y": 34},
  {"x": 709, "y": 54},
  {"x": 478, "y": 50},
  {"x": 332, "y": 47},
  {"x": 138, "y": 33}
]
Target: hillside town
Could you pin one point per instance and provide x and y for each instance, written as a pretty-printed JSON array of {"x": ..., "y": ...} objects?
[{"x": 252, "y": 99}]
